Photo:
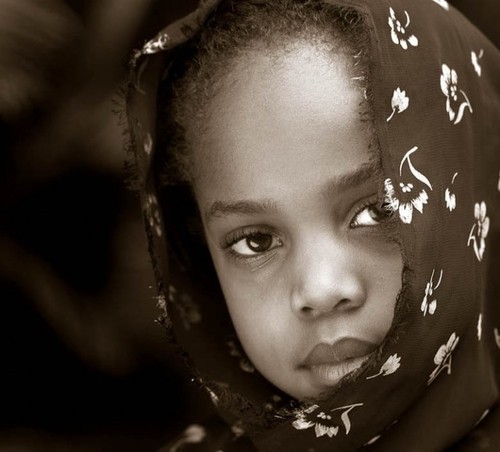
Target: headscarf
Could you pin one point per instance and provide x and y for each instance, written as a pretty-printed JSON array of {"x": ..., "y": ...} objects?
[{"x": 435, "y": 94}]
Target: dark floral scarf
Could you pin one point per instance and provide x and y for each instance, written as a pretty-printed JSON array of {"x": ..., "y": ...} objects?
[{"x": 436, "y": 100}]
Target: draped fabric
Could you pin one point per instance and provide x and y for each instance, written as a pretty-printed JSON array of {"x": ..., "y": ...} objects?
[{"x": 435, "y": 93}]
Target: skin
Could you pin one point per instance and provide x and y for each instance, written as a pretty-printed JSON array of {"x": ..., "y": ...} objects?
[{"x": 302, "y": 259}]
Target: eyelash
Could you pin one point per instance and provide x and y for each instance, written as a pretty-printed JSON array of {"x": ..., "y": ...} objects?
[
  {"x": 247, "y": 233},
  {"x": 242, "y": 234},
  {"x": 375, "y": 203}
]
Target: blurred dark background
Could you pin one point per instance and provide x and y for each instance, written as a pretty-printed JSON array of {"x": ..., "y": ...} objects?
[
  {"x": 84, "y": 367},
  {"x": 83, "y": 364}
]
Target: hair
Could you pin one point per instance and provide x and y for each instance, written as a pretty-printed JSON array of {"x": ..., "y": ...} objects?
[{"x": 198, "y": 69}]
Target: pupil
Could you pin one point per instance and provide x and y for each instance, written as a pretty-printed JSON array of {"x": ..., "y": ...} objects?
[
  {"x": 259, "y": 242},
  {"x": 375, "y": 214},
  {"x": 381, "y": 213}
]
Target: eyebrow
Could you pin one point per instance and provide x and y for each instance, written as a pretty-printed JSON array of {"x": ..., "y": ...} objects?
[
  {"x": 367, "y": 172},
  {"x": 356, "y": 178},
  {"x": 244, "y": 207}
]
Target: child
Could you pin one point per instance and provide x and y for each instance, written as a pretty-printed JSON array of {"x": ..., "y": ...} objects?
[{"x": 318, "y": 180}]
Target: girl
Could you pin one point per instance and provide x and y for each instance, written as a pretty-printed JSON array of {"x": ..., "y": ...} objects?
[{"x": 320, "y": 184}]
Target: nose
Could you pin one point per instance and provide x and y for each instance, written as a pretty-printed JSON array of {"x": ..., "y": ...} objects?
[{"x": 328, "y": 279}]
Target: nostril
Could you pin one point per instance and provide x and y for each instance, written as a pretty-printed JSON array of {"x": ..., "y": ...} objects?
[{"x": 343, "y": 304}]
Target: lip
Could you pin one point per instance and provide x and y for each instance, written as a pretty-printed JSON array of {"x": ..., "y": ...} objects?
[{"x": 328, "y": 364}]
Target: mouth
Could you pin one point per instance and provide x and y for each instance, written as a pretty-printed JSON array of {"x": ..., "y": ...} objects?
[{"x": 328, "y": 364}]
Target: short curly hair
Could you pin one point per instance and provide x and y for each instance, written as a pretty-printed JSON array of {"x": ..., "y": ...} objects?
[{"x": 197, "y": 69}]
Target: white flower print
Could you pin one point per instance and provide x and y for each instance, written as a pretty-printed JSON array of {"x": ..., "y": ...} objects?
[
  {"x": 483, "y": 416},
  {"x": 272, "y": 404},
  {"x": 399, "y": 102},
  {"x": 172, "y": 293},
  {"x": 322, "y": 422},
  {"x": 193, "y": 434},
  {"x": 399, "y": 34},
  {"x": 475, "y": 57},
  {"x": 376, "y": 438},
  {"x": 161, "y": 303},
  {"x": 449, "y": 197},
  {"x": 213, "y": 396},
  {"x": 153, "y": 214},
  {"x": 417, "y": 202},
  {"x": 148, "y": 144},
  {"x": 189, "y": 311},
  {"x": 442, "y": 359},
  {"x": 245, "y": 364},
  {"x": 238, "y": 429},
  {"x": 479, "y": 326},
  {"x": 389, "y": 367},
  {"x": 406, "y": 188},
  {"x": 479, "y": 230},
  {"x": 443, "y": 3},
  {"x": 155, "y": 45},
  {"x": 497, "y": 337},
  {"x": 428, "y": 306},
  {"x": 449, "y": 81},
  {"x": 302, "y": 422},
  {"x": 373, "y": 440}
]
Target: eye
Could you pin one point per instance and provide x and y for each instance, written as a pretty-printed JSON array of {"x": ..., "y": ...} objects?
[
  {"x": 371, "y": 215},
  {"x": 256, "y": 243}
]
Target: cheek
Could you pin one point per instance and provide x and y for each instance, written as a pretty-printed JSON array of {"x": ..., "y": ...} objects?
[
  {"x": 265, "y": 332},
  {"x": 385, "y": 274},
  {"x": 254, "y": 310},
  {"x": 260, "y": 318},
  {"x": 391, "y": 272},
  {"x": 382, "y": 258}
]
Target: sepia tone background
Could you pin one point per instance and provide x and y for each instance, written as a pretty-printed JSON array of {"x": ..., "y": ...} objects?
[{"x": 84, "y": 367}]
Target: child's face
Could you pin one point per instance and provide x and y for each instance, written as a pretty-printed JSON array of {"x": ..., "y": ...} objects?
[{"x": 289, "y": 204}]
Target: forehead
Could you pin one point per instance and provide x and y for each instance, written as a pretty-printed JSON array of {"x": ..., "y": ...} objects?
[{"x": 281, "y": 118}]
